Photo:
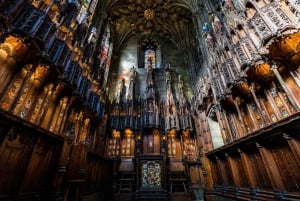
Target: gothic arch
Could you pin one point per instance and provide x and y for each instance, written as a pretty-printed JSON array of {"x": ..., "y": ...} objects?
[
  {"x": 250, "y": 10},
  {"x": 285, "y": 47},
  {"x": 215, "y": 130},
  {"x": 143, "y": 43}
]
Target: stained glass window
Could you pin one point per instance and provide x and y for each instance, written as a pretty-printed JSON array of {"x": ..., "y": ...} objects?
[
  {"x": 106, "y": 53},
  {"x": 150, "y": 58}
]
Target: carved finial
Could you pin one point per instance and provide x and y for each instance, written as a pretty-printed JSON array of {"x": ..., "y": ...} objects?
[
  {"x": 286, "y": 136},
  {"x": 132, "y": 69},
  {"x": 168, "y": 68},
  {"x": 258, "y": 145}
]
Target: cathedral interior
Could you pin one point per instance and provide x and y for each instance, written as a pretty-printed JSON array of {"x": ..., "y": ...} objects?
[{"x": 139, "y": 100}]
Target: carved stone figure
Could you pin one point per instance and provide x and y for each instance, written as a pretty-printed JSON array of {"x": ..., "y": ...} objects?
[
  {"x": 81, "y": 31},
  {"x": 89, "y": 48},
  {"x": 217, "y": 26},
  {"x": 68, "y": 12}
]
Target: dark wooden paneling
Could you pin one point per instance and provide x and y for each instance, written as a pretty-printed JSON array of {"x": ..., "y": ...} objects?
[
  {"x": 217, "y": 176},
  {"x": 41, "y": 166},
  {"x": 15, "y": 153},
  {"x": 76, "y": 168},
  {"x": 228, "y": 172},
  {"x": 288, "y": 166},
  {"x": 259, "y": 171},
  {"x": 240, "y": 172}
]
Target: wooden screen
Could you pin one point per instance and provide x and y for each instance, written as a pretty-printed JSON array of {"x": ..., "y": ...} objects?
[{"x": 151, "y": 142}]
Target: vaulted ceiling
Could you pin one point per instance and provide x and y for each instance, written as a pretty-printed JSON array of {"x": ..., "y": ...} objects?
[
  {"x": 171, "y": 23},
  {"x": 171, "y": 19}
]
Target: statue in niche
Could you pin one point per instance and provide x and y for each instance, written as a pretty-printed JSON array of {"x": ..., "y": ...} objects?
[
  {"x": 130, "y": 94},
  {"x": 11, "y": 51},
  {"x": 38, "y": 106},
  {"x": 284, "y": 113},
  {"x": 133, "y": 71},
  {"x": 150, "y": 107},
  {"x": 26, "y": 108},
  {"x": 217, "y": 26},
  {"x": 42, "y": 4},
  {"x": 250, "y": 12},
  {"x": 278, "y": 101},
  {"x": 273, "y": 118},
  {"x": 68, "y": 11},
  {"x": 209, "y": 41},
  {"x": 182, "y": 108},
  {"x": 89, "y": 47},
  {"x": 8, "y": 99},
  {"x": 150, "y": 93},
  {"x": 168, "y": 67},
  {"x": 229, "y": 3},
  {"x": 172, "y": 122},
  {"x": 63, "y": 107},
  {"x": 103, "y": 61},
  {"x": 205, "y": 27},
  {"x": 121, "y": 92},
  {"x": 78, "y": 124},
  {"x": 85, "y": 130},
  {"x": 150, "y": 61},
  {"x": 172, "y": 110},
  {"x": 81, "y": 31},
  {"x": 149, "y": 76}
]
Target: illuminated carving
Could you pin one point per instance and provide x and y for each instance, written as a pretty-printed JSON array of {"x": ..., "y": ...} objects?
[{"x": 151, "y": 174}]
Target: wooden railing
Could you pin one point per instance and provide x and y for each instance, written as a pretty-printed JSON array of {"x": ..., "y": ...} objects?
[{"x": 239, "y": 193}]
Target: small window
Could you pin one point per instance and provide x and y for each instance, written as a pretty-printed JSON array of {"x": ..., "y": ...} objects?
[{"x": 148, "y": 53}]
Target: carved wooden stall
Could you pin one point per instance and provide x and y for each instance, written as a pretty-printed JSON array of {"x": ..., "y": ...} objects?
[
  {"x": 152, "y": 141},
  {"x": 237, "y": 138},
  {"x": 29, "y": 159},
  {"x": 51, "y": 108},
  {"x": 248, "y": 120}
]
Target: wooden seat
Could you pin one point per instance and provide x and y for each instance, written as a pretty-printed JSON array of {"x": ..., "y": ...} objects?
[
  {"x": 126, "y": 182},
  {"x": 126, "y": 175},
  {"x": 177, "y": 179},
  {"x": 152, "y": 194},
  {"x": 177, "y": 175}
]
